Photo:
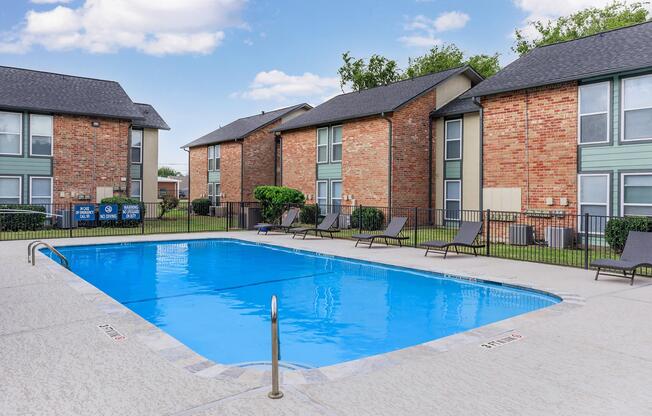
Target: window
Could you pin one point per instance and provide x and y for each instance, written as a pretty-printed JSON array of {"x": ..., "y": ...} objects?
[
  {"x": 136, "y": 146},
  {"x": 211, "y": 193},
  {"x": 594, "y": 113},
  {"x": 40, "y": 128},
  {"x": 10, "y": 133},
  {"x": 336, "y": 145},
  {"x": 218, "y": 192},
  {"x": 10, "y": 190},
  {"x": 636, "y": 194},
  {"x": 336, "y": 195},
  {"x": 637, "y": 108},
  {"x": 322, "y": 196},
  {"x": 211, "y": 158},
  {"x": 453, "y": 139},
  {"x": 217, "y": 157},
  {"x": 40, "y": 192},
  {"x": 322, "y": 145},
  {"x": 136, "y": 189},
  {"x": 594, "y": 200},
  {"x": 452, "y": 199}
]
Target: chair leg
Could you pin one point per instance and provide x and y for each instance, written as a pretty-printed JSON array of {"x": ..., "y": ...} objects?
[
  {"x": 427, "y": 250},
  {"x": 633, "y": 274},
  {"x": 475, "y": 253},
  {"x": 400, "y": 243},
  {"x": 371, "y": 242},
  {"x": 294, "y": 235},
  {"x": 357, "y": 242},
  {"x": 305, "y": 234},
  {"x": 446, "y": 252},
  {"x": 597, "y": 274}
]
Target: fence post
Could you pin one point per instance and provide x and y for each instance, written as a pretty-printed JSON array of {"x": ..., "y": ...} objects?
[
  {"x": 488, "y": 233},
  {"x": 316, "y": 214},
  {"x": 71, "y": 215},
  {"x": 228, "y": 215},
  {"x": 143, "y": 210},
  {"x": 360, "y": 218},
  {"x": 416, "y": 225},
  {"x": 188, "y": 215},
  {"x": 586, "y": 240}
]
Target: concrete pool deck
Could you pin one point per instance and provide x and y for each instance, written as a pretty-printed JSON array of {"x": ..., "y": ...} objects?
[{"x": 589, "y": 355}]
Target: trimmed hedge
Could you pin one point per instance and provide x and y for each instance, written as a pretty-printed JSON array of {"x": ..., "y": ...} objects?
[
  {"x": 372, "y": 218},
  {"x": 22, "y": 221},
  {"x": 618, "y": 228},
  {"x": 201, "y": 206},
  {"x": 275, "y": 199}
]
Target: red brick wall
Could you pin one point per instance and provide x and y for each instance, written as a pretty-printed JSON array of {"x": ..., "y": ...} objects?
[
  {"x": 230, "y": 171},
  {"x": 169, "y": 188},
  {"x": 410, "y": 152},
  {"x": 299, "y": 160},
  {"x": 258, "y": 160},
  {"x": 86, "y": 157},
  {"x": 198, "y": 172},
  {"x": 552, "y": 150},
  {"x": 365, "y": 147}
]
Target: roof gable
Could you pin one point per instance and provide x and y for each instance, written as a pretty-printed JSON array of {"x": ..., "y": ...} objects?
[{"x": 151, "y": 118}]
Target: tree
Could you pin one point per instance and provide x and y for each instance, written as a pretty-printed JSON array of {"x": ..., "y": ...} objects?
[
  {"x": 168, "y": 203},
  {"x": 165, "y": 171},
  {"x": 441, "y": 58},
  {"x": 360, "y": 75},
  {"x": 485, "y": 65},
  {"x": 583, "y": 23}
]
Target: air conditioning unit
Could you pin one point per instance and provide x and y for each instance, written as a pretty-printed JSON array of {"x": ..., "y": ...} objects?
[
  {"x": 521, "y": 234},
  {"x": 559, "y": 237},
  {"x": 344, "y": 222},
  {"x": 63, "y": 219}
]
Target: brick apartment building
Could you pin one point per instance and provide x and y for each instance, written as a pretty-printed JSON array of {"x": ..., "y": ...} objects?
[
  {"x": 65, "y": 139},
  {"x": 228, "y": 163},
  {"x": 370, "y": 147}
]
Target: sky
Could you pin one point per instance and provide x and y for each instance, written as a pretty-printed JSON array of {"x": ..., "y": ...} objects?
[{"x": 205, "y": 63}]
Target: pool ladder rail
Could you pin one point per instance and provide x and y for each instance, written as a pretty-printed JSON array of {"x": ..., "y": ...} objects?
[
  {"x": 276, "y": 393},
  {"x": 31, "y": 253}
]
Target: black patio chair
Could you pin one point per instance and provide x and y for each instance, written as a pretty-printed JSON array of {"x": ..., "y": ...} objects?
[
  {"x": 325, "y": 226},
  {"x": 465, "y": 237},
  {"x": 286, "y": 223},
  {"x": 392, "y": 232},
  {"x": 637, "y": 253}
]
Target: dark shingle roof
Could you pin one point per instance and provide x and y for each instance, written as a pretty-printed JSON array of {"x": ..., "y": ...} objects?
[
  {"x": 601, "y": 54},
  {"x": 152, "y": 119},
  {"x": 244, "y": 126},
  {"x": 24, "y": 89},
  {"x": 457, "y": 106},
  {"x": 372, "y": 101}
]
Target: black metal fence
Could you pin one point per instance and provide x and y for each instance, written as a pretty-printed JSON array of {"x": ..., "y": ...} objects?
[{"x": 543, "y": 237}]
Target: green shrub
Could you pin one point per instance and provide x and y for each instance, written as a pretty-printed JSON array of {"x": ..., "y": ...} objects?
[
  {"x": 372, "y": 218},
  {"x": 22, "y": 221},
  {"x": 308, "y": 214},
  {"x": 201, "y": 206},
  {"x": 168, "y": 203},
  {"x": 618, "y": 228},
  {"x": 120, "y": 201},
  {"x": 275, "y": 199}
]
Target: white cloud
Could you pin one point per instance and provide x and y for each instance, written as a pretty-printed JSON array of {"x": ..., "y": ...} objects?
[
  {"x": 49, "y": 1},
  {"x": 154, "y": 27},
  {"x": 424, "y": 29},
  {"x": 278, "y": 86}
]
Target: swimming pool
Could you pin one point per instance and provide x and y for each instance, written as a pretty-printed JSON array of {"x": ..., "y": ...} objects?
[{"x": 214, "y": 294}]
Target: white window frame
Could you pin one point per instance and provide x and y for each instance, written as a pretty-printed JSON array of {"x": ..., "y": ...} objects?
[
  {"x": 579, "y": 198},
  {"x": 31, "y": 136},
  {"x": 217, "y": 155},
  {"x": 446, "y": 199},
  {"x": 31, "y": 190},
  {"x": 325, "y": 197},
  {"x": 327, "y": 145},
  {"x": 580, "y": 114},
  {"x": 446, "y": 139},
  {"x": 331, "y": 196},
  {"x": 20, "y": 134},
  {"x": 211, "y": 192},
  {"x": 131, "y": 145},
  {"x": 217, "y": 192},
  {"x": 211, "y": 158},
  {"x": 20, "y": 187},
  {"x": 332, "y": 143},
  {"x": 623, "y": 110},
  {"x": 622, "y": 191},
  {"x": 131, "y": 188}
]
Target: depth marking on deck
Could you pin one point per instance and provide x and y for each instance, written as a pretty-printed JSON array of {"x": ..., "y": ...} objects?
[
  {"x": 112, "y": 332},
  {"x": 514, "y": 336}
]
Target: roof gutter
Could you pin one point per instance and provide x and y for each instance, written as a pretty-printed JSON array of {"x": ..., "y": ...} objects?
[{"x": 389, "y": 159}]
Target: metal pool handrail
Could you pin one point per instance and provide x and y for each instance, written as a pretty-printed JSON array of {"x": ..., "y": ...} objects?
[
  {"x": 31, "y": 251},
  {"x": 275, "y": 393}
]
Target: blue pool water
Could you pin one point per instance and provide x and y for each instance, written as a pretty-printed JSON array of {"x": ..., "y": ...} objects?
[{"x": 214, "y": 296}]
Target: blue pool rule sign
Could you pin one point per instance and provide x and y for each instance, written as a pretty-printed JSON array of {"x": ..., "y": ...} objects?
[
  {"x": 131, "y": 212},
  {"x": 85, "y": 212},
  {"x": 108, "y": 212}
]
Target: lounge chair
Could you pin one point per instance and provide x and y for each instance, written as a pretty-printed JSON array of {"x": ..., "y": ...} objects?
[
  {"x": 325, "y": 226},
  {"x": 285, "y": 225},
  {"x": 465, "y": 237},
  {"x": 637, "y": 253},
  {"x": 392, "y": 232}
]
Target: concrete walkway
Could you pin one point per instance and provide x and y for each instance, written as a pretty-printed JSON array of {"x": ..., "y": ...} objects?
[{"x": 591, "y": 355}]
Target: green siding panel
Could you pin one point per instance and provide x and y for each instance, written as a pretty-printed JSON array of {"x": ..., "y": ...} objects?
[
  {"x": 629, "y": 156},
  {"x": 214, "y": 176},
  {"x": 329, "y": 171},
  {"x": 135, "y": 172},
  {"x": 25, "y": 166},
  {"x": 453, "y": 169}
]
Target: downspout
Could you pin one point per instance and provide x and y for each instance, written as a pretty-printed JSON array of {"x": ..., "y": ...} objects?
[
  {"x": 476, "y": 101},
  {"x": 430, "y": 168},
  {"x": 242, "y": 169},
  {"x": 187, "y": 150},
  {"x": 389, "y": 160},
  {"x": 527, "y": 150},
  {"x": 276, "y": 143}
]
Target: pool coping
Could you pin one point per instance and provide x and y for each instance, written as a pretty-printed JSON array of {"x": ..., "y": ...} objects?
[{"x": 182, "y": 356}]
